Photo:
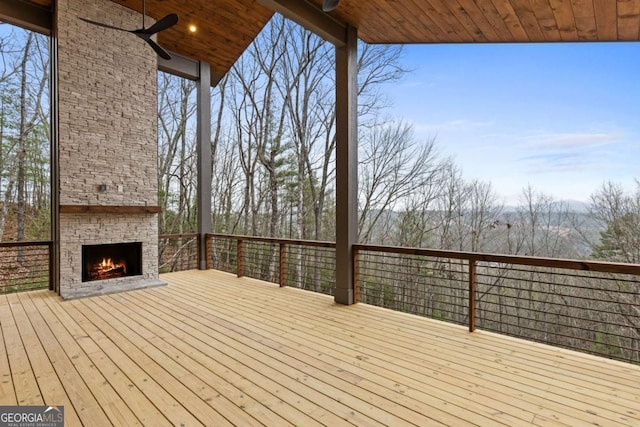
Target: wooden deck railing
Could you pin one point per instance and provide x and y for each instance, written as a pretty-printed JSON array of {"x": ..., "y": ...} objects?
[
  {"x": 304, "y": 264},
  {"x": 25, "y": 266},
  {"x": 583, "y": 305},
  {"x": 177, "y": 252}
]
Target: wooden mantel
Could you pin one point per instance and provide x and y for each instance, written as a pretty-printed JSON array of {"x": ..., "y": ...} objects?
[{"x": 108, "y": 209}]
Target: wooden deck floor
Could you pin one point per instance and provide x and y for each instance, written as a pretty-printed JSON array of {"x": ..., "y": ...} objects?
[{"x": 215, "y": 350}]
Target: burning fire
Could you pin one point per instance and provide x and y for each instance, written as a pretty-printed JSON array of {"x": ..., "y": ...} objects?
[{"x": 107, "y": 265}]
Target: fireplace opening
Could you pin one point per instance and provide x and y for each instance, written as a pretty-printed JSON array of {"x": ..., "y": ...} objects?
[{"x": 109, "y": 261}]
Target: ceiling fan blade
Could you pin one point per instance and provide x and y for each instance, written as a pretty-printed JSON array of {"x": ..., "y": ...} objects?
[
  {"x": 329, "y": 5},
  {"x": 100, "y": 24},
  {"x": 160, "y": 51},
  {"x": 164, "y": 23}
]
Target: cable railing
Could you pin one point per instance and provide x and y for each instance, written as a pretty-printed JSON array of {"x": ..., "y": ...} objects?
[
  {"x": 304, "y": 264},
  {"x": 416, "y": 283},
  {"x": 589, "y": 306},
  {"x": 25, "y": 266},
  {"x": 222, "y": 253},
  {"x": 592, "y": 310},
  {"x": 177, "y": 252}
]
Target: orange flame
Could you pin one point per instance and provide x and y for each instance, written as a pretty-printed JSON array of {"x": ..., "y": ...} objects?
[{"x": 107, "y": 265}]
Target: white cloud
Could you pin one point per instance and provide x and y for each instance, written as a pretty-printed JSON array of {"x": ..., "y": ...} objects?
[
  {"x": 568, "y": 152},
  {"x": 565, "y": 141}
]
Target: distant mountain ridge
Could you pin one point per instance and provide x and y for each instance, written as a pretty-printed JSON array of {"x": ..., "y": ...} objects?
[{"x": 576, "y": 206}]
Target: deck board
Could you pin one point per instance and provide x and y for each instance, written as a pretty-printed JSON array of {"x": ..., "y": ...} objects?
[
  {"x": 7, "y": 392},
  {"x": 212, "y": 349},
  {"x": 79, "y": 344},
  {"x": 42, "y": 347},
  {"x": 384, "y": 348},
  {"x": 107, "y": 399},
  {"x": 23, "y": 377},
  {"x": 312, "y": 350}
]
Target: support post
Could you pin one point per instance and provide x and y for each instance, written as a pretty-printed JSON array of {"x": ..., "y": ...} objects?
[
  {"x": 283, "y": 265},
  {"x": 208, "y": 240},
  {"x": 54, "y": 248},
  {"x": 203, "y": 100},
  {"x": 52, "y": 263},
  {"x": 472, "y": 295},
  {"x": 346, "y": 166},
  {"x": 356, "y": 276},
  {"x": 240, "y": 259}
]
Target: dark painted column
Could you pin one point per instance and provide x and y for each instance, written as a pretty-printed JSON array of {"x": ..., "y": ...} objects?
[
  {"x": 346, "y": 165},
  {"x": 54, "y": 248},
  {"x": 203, "y": 88}
]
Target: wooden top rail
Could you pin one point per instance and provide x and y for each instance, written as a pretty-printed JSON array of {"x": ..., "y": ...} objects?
[
  {"x": 316, "y": 243},
  {"x": 566, "y": 264},
  {"x": 177, "y": 236},
  {"x": 18, "y": 244}
]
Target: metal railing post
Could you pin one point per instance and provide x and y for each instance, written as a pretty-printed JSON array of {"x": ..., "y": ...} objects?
[
  {"x": 356, "y": 275},
  {"x": 283, "y": 265},
  {"x": 240, "y": 260},
  {"x": 208, "y": 252},
  {"x": 201, "y": 252},
  {"x": 51, "y": 267},
  {"x": 472, "y": 295}
]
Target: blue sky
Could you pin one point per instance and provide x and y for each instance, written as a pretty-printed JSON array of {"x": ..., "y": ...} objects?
[{"x": 562, "y": 117}]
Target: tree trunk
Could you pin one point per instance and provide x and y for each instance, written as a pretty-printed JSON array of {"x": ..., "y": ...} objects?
[
  {"x": 4, "y": 209},
  {"x": 22, "y": 146},
  {"x": 8, "y": 196}
]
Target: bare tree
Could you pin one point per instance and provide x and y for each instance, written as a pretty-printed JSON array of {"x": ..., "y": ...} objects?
[
  {"x": 451, "y": 208},
  {"x": 484, "y": 213},
  {"x": 307, "y": 91},
  {"x": 540, "y": 225},
  {"x": 176, "y": 153},
  {"x": 619, "y": 215},
  {"x": 393, "y": 166},
  {"x": 248, "y": 115},
  {"x": 24, "y": 132}
]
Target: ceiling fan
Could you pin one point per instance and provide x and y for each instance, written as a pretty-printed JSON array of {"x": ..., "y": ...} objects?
[
  {"x": 146, "y": 33},
  {"x": 329, "y": 5}
]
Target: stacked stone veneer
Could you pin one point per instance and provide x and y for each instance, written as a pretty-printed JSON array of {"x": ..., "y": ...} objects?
[{"x": 107, "y": 100}]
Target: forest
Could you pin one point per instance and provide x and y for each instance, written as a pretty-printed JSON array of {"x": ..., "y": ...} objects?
[
  {"x": 273, "y": 167},
  {"x": 24, "y": 135}
]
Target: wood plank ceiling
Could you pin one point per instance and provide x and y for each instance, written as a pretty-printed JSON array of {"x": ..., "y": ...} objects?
[
  {"x": 227, "y": 27},
  {"x": 493, "y": 21}
]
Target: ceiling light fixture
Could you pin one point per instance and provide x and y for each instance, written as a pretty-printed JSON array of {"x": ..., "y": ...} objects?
[{"x": 329, "y": 5}]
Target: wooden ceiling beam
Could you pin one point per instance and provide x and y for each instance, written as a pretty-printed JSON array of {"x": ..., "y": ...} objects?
[
  {"x": 180, "y": 66},
  {"x": 310, "y": 17},
  {"x": 186, "y": 68},
  {"x": 27, "y": 15}
]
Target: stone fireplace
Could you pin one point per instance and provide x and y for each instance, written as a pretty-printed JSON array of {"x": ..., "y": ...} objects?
[{"x": 107, "y": 86}]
